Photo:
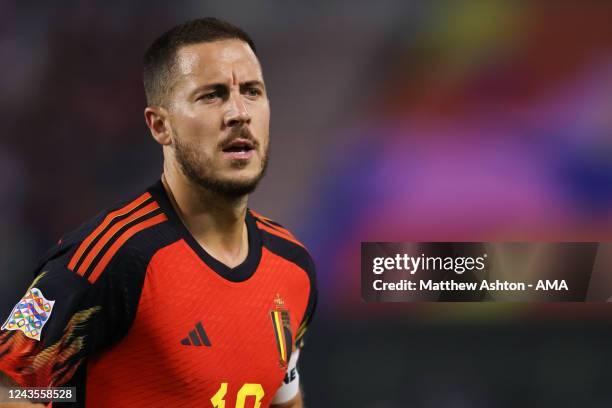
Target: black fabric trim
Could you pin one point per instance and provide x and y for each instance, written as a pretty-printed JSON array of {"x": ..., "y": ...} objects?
[
  {"x": 287, "y": 249},
  {"x": 70, "y": 362},
  {"x": 93, "y": 243},
  {"x": 117, "y": 291},
  {"x": 124, "y": 278},
  {"x": 299, "y": 256},
  {"x": 6, "y": 337},
  {"x": 116, "y": 236},
  {"x": 71, "y": 241},
  {"x": 78, "y": 380},
  {"x": 272, "y": 224},
  {"x": 241, "y": 272},
  {"x": 61, "y": 283},
  {"x": 269, "y": 224},
  {"x": 5, "y": 352}
]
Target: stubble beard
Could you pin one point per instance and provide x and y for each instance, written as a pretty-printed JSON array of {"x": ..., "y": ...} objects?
[{"x": 198, "y": 170}]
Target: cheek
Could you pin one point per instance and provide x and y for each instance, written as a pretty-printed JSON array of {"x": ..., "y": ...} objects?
[
  {"x": 195, "y": 130},
  {"x": 196, "y": 126},
  {"x": 261, "y": 121}
]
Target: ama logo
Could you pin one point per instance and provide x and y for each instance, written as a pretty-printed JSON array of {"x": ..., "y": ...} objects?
[{"x": 552, "y": 285}]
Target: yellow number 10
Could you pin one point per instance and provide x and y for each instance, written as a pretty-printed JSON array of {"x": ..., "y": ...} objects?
[{"x": 255, "y": 390}]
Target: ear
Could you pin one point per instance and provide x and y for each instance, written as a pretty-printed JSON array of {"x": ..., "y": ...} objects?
[{"x": 157, "y": 121}]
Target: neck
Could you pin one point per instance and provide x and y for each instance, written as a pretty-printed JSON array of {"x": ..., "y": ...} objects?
[{"x": 215, "y": 221}]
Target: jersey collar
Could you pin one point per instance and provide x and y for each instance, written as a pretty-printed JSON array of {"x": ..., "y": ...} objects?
[{"x": 239, "y": 273}]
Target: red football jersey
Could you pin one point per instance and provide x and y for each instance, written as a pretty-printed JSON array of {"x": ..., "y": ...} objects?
[{"x": 132, "y": 311}]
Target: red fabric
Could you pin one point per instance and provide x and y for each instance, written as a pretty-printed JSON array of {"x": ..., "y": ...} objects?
[{"x": 150, "y": 367}]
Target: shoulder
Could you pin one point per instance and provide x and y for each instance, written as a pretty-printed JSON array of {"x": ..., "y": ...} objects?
[
  {"x": 282, "y": 242},
  {"x": 100, "y": 267},
  {"x": 123, "y": 236}
]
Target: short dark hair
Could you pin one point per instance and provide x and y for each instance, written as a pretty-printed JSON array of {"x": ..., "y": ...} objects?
[{"x": 160, "y": 59}]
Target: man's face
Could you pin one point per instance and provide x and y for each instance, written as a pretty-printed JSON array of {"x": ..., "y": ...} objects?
[{"x": 220, "y": 116}]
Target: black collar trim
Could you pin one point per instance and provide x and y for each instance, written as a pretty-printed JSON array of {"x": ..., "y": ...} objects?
[{"x": 241, "y": 272}]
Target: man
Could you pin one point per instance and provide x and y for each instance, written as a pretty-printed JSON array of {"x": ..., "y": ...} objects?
[{"x": 180, "y": 296}]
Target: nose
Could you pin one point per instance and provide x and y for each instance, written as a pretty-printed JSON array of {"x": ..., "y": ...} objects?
[{"x": 237, "y": 113}]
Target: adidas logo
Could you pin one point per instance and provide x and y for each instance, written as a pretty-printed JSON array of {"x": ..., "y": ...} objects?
[{"x": 196, "y": 337}]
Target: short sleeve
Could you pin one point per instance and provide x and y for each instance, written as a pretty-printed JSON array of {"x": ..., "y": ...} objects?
[
  {"x": 311, "y": 305},
  {"x": 84, "y": 297},
  {"x": 60, "y": 321}
]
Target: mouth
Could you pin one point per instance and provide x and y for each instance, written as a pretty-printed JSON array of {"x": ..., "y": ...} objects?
[{"x": 239, "y": 149}]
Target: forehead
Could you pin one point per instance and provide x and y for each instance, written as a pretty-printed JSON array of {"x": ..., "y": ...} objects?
[{"x": 217, "y": 61}]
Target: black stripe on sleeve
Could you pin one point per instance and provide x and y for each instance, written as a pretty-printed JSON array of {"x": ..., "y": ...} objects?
[
  {"x": 93, "y": 243},
  {"x": 116, "y": 236}
]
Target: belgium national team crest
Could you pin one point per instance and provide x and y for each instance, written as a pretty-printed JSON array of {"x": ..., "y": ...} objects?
[{"x": 282, "y": 330}]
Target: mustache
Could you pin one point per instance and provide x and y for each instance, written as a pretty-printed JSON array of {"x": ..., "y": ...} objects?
[{"x": 242, "y": 133}]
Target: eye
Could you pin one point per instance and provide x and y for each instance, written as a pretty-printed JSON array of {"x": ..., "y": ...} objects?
[
  {"x": 253, "y": 92},
  {"x": 211, "y": 96}
]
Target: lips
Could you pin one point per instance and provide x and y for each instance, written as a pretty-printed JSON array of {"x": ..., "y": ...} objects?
[
  {"x": 239, "y": 149},
  {"x": 238, "y": 146}
]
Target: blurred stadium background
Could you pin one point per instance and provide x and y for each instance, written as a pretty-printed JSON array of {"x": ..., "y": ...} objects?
[{"x": 392, "y": 120}]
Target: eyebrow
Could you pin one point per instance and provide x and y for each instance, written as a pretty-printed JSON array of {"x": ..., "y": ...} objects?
[
  {"x": 253, "y": 83},
  {"x": 220, "y": 85}
]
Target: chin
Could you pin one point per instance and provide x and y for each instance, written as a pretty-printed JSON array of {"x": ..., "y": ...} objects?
[
  {"x": 242, "y": 181},
  {"x": 244, "y": 175}
]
